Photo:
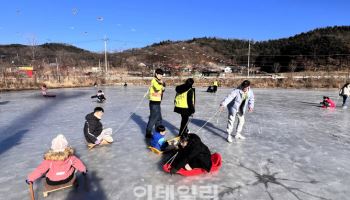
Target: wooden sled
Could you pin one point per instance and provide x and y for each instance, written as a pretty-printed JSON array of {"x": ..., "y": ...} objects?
[
  {"x": 103, "y": 143},
  {"x": 172, "y": 142},
  {"x": 52, "y": 188},
  {"x": 216, "y": 165},
  {"x": 156, "y": 151},
  {"x": 49, "y": 95}
]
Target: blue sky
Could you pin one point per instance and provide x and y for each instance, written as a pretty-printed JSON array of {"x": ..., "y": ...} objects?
[{"x": 137, "y": 23}]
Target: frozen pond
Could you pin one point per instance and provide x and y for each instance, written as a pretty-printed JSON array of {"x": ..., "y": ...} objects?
[{"x": 294, "y": 149}]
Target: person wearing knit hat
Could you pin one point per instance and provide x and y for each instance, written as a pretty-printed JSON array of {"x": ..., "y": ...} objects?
[
  {"x": 59, "y": 164},
  {"x": 59, "y": 143}
]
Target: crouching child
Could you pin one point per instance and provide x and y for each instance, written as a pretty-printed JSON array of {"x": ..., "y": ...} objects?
[{"x": 59, "y": 165}]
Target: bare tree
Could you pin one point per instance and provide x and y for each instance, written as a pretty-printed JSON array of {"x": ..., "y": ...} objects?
[
  {"x": 292, "y": 66},
  {"x": 276, "y": 67},
  {"x": 33, "y": 45}
]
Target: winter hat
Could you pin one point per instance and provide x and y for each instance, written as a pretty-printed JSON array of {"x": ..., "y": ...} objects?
[{"x": 59, "y": 143}]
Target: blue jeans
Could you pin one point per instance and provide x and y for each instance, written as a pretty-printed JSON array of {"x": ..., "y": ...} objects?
[
  {"x": 155, "y": 117},
  {"x": 345, "y": 98}
]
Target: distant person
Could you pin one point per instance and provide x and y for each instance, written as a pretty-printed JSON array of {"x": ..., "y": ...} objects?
[
  {"x": 59, "y": 164},
  {"x": 125, "y": 84},
  {"x": 215, "y": 86},
  {"x": 345, "y": 93},
  {"x": 100, "y": 96},
  {"x": 237, "y": 103},
  {"x": 192, "y": 153},
  {"x": 93, "y": 129},
  {"x": 327, "y": 103},
  {"x": 158, "y": 138},
  {"x": 185, "y": 103},
  {"x": 155, "y": 93},
  {"x": 44, "y": 91},
  {"x": 95, "y": 84}
]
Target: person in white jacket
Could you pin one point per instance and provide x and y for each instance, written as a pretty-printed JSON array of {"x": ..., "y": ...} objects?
[
  {"x": 345, "y": 92},
  {"x": 237, "y": 103}
]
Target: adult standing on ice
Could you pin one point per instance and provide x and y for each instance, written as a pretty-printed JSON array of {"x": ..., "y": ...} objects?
[
  {"x": 345, "y": 93},
  {"x": 155, "y": 93},
  {"x": 237, "y": 103},
  {"x": 184, "y": 103}
]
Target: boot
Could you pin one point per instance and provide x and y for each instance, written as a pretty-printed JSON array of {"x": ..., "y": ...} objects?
[
  {"x": 229, "y": 138},
  {"x": 239, "y": 136}
]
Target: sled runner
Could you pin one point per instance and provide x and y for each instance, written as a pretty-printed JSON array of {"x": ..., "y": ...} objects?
[
  {"x": 49, "y": 95},
  {"x": 216, "y": 165},
  {"x": 52, "y": 188},
  {"x": 103, "y": 143}
]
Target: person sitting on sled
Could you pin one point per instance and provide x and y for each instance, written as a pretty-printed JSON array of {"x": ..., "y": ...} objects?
[
  {"x": 44, "y": 91},
  {"x": 327, "y": 103},
  {"x": 192, "y": 154},
  {"x": 158, "y": 138},
  {"x": 100, "y": 96},
  {"x": 93, "y": 129},
  {"x": 59, "y": 164}
]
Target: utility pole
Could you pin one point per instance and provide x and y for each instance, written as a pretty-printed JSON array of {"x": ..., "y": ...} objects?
[
  {"x": 248, "y": 56},
  {"x": 106, "y": 64},
  {"x": 99, "y": 64},
  {"x": 58, "y": 73}
]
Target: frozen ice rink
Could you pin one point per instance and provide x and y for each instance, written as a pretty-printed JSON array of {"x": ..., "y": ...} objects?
[{"x": 294, "y": 149}]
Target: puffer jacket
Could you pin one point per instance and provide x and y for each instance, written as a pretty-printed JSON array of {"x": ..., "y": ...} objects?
[
  {"x": 195, "y": 153},
  {"x": 92, "y": 128},
  {"x": 57, "y": 170},
  {"x": 234, "y": 100},
  {"x": 345, "y": 91}
]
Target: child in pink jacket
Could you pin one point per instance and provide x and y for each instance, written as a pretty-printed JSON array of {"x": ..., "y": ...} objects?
[
  {"x": 327, "y": 103},
  {"x": 59, "y": 164}
]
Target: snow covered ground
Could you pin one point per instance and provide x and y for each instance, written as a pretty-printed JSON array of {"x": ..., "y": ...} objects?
[{"x": 293, "y": 150}]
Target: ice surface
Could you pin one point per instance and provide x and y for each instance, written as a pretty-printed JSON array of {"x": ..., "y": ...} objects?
[{"x": 293, "y": 150}]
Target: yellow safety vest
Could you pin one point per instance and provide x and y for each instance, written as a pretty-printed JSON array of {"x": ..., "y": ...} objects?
[
  {"x": 215, "y": 83},
  {"x": 155, "y": 91},
  {"x": 181, "y": 99}
]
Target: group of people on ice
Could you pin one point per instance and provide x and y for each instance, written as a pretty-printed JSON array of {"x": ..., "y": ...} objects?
[
  {"x": 344, "y": 92},
  {"x": 60, "y": 163}
]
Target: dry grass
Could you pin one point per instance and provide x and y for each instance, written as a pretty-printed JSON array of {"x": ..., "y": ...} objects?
[{"x": 22, "y": 84}]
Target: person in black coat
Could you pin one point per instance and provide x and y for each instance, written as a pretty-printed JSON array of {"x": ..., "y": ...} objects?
[
  {"x": 192, "y": 154},
  {"x": 184, "y": 103},
  {"x": 93, "y": 129}
]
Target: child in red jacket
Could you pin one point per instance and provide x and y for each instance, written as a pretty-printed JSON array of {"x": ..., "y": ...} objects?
[
  {"x": 59, "y": 164},
  {"x": 327, "y": 103}
]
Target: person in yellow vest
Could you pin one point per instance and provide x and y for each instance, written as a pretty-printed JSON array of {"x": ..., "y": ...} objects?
[
  {"x": 215, "y": 86},
  {"x": 184, "y": 103},
  {"x": 155, "y": 95}
]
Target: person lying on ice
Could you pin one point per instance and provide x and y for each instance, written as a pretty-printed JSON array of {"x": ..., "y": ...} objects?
[
  {"x": 93, "y": 129},
  {"x": 327, "y": 103},
  {"x": 192, "y": 154},
  {"x": 100, "y": 96},
  {"x": 237, "y": 103},
  {"x": 59, "y": 164}
]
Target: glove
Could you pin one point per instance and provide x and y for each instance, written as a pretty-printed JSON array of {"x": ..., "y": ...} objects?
[
  {"x": 29, "y": 182},
  {"x": 173, "y": 171},
  {"x": 97, "y": 141}
]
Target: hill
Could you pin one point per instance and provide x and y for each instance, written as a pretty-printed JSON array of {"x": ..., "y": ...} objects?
[{"x": 320, "y": 49}]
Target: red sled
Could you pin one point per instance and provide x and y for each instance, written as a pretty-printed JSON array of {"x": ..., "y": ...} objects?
[{"x": 216, "y": 165}]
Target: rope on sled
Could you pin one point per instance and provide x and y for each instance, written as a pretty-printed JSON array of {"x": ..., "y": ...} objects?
[
  {"x": 212, "y": 117},
  {"x": 137, "y": 107}
]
